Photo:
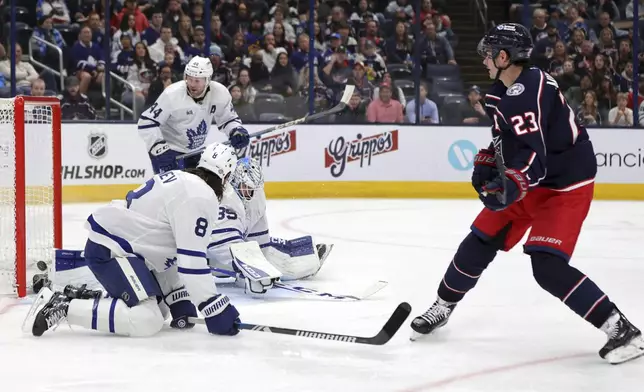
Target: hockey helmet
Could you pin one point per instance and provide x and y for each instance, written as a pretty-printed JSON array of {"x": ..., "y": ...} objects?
[
  {"x": 512, "y": 38},
  {"x": 199, "y": 67},
  {"x": 247, "y": 178},
  {"x": 219, "y": 159}
]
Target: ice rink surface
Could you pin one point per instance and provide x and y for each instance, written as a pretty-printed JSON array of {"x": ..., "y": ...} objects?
[{"x": 507, "y": 335}]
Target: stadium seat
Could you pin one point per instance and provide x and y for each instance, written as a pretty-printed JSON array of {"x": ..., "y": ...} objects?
[
  {"x": 407, "y": 86},
  {"x": 70, "y": 34},
  {"x": 442, "y": 70},
  {"x": 449, "y": 85},
  {"x": 273, "y": 117},
  {"x": 399, "y": 71},
  {"x": 22, "y": 14}
]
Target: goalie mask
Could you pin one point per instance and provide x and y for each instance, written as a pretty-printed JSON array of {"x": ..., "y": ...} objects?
[{"x": 247, "y": 178}]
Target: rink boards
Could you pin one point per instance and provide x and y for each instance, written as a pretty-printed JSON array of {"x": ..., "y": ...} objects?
[{"x": 102, "y": 161}]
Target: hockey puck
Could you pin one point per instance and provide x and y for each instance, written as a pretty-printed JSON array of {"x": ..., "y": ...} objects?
[{"x": 42, "y": 265}]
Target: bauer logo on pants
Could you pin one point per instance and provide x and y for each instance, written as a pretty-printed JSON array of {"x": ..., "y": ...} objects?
[
  {"x": 265, "y": 148},
  {"x": 340, "y": 152},
  {"x": 97, "y": 146}
]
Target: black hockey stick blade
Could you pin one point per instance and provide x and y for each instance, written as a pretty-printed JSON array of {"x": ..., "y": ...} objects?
[{"x": 386, "y": 333}]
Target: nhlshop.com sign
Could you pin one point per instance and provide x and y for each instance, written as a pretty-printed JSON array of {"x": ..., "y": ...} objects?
[{"x": 103, "y": 154}]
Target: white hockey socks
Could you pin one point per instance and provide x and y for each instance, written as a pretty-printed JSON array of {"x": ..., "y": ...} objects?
[{"x": 112, "y": 315}]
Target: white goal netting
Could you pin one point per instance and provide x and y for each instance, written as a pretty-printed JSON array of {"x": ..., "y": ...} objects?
[{"x": 37, "y": 200}]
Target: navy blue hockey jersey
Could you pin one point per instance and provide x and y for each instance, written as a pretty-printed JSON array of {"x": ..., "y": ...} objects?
[{"x": 536, "y": 132}]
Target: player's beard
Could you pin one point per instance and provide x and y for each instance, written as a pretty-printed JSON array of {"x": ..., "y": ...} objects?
[{"x": 198, "y": 96}]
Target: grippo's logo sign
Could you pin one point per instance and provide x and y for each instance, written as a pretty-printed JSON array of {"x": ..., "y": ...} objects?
[
  {"x": 362, "y": 149},
  {"x": 265, "y": 148}
]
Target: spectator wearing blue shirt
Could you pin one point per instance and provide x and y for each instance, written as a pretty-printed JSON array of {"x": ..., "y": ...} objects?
[
  {"x": 153, "y": 33},
  {"x": 87, "y": 58},
  {"x": 300, "y": 57},
  {"x": 46, "y": 54},
  {"x": 428, "y": 109}
]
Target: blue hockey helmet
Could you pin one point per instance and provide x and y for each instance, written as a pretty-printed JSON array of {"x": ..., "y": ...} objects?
[
  {"x": 513, "y": 38},
  {"x": 247, "y": 178}
]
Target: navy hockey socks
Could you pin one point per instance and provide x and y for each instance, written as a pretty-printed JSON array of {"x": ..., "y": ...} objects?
[
  {"x": 471, "y": 259},
  {"x": 572, "y": 287}
]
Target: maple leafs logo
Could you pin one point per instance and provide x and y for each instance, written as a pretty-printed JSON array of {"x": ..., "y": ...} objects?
[{"x": 197, "y": 138}]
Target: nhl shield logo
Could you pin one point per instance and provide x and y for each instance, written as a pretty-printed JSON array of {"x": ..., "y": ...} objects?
[{"x": 97, "y": 146}]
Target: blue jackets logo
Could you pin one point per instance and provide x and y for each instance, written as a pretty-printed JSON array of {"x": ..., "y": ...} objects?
[{"x": 461, "y": 155}]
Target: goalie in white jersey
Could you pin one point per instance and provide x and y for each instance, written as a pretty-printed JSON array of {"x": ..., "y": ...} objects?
[
  {"x": 241, "y": 237},
  {"x": 180, "y": 119},
  {"x": 150, "y": 246}
]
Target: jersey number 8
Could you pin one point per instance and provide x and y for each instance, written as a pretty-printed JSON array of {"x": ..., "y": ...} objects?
[{"x": 201, "y": 227}]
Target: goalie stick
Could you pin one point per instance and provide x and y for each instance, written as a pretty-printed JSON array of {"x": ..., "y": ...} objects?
[
  {"x": 368, "y": 292},
  {"x": 344, "y": 101},
  {"x": 383, "y": 336}
]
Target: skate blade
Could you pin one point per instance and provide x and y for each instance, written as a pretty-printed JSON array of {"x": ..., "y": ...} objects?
[
  {"x": 633, "y": 350},
  {"x": 40, "y": 301},
  {"x": 416, "y": 335}
]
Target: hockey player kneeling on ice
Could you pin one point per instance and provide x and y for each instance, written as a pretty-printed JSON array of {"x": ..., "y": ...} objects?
[
  {"x": 180, "y": 119},
  {"x": 127, "y": 251},
  {"x": 241, "y": 244}
]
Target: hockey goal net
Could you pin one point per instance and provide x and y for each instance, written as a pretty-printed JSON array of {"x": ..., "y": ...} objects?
[{"x": 30, "y": 189}]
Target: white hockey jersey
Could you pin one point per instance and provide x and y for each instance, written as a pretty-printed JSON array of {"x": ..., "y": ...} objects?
[
  {"x": 238, "y": 223},
  {"x": 183, "y": 123},
  {"x": 166, "y": 221}
]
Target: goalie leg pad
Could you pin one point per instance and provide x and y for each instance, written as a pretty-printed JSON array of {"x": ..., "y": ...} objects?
[
  {"x": 127, "y": 278},
  {"x": 112, "y": 315},
  {"x": 295, "y": 259}
]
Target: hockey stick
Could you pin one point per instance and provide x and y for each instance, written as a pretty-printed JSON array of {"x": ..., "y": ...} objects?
[
  {"x": 383, "y": 336},
  {"x": 500, "y": 166},
  {"x": 344, "y": 101},
  {"x": 366, "y": 293}
]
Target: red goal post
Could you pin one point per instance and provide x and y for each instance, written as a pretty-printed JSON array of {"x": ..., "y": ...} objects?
[{"x": 30, "y": 188}]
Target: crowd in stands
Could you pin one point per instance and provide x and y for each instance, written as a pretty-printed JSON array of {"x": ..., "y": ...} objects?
[
  {"x": 589, "y": 52},
  {"x": 260, "y": 50}
]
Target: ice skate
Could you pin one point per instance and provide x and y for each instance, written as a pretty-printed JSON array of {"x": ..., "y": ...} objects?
[
  {"x": 81, "y": 292},
  {"x": 625, "y": 341},
  {"x": 52, "y": 314},
  {"x": 435, "y": 317}
]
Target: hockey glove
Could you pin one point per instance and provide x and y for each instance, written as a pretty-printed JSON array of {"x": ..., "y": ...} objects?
[
  {"x": 484, "y": 169},
  {"x": 181, "y": 308},
  {"x": 239, "y": 138},
  {"x": 516, "y": 189},
  {"x": 163, "y": 159},
  {"x": 221, "y": 316}
]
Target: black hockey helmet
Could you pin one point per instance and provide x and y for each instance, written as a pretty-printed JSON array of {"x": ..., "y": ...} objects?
[{"x": 513, "y": 38}]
